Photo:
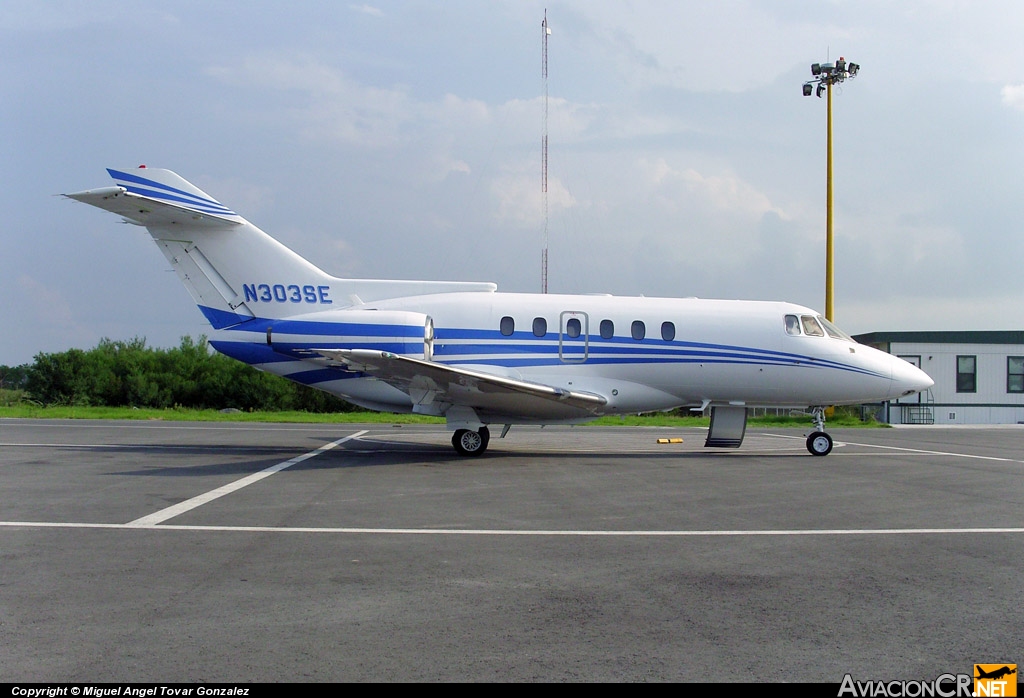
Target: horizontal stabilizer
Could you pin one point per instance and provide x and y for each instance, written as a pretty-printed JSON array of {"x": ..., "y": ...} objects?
[{"x": 158, "y": 198}]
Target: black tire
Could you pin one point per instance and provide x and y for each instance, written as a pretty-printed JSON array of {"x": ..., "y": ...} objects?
[
  {"x": 819, "y": 444},
  {"x": 470, "y": 443}
]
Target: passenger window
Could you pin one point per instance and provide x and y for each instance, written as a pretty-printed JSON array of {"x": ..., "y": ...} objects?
[
  {"x": 607, "y": 329},
  {"x": 638, "y": 330},
  {"x": 573, "y": 328},
  {"x": 668, "y": 331},
  {"x": 792, "y": 325},
  {"x": 811, "y": 326},
  {"x": 508, "y": 326},
  {"x": 540, "y": 326}
]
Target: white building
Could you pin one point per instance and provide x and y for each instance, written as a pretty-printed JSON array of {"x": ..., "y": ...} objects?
[{"x": 979, "y": 376}]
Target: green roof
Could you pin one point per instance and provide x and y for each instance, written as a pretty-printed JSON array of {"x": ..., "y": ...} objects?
[{"x": 951, "y": 337}]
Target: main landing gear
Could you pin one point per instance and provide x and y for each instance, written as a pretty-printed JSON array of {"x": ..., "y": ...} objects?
[
  {"x": 819, "y": 443},
  {"x": 471, "y": 443}
]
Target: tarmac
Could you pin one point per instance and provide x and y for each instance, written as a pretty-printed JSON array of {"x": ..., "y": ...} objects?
[{"x": 197, "y": 552}]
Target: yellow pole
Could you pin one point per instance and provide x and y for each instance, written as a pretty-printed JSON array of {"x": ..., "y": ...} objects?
[{"x": 829, "y": 249}]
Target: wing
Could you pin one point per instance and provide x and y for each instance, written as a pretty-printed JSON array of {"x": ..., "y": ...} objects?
[{"x": 434, "y": 387}]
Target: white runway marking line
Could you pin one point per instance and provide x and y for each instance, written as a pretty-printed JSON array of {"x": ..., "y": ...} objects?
[
  {"x": 521, "y": 533},
  {"x": 189, "y": 504},
  {"x": 919, "y": 451}
]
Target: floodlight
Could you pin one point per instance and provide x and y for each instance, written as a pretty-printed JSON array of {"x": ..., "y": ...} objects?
[{"x": 824, "y": 76}]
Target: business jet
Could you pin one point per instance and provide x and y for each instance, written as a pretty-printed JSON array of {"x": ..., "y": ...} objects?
[
  {"x": 995, "y": 674},
  {"x": 477, "y": 357}
]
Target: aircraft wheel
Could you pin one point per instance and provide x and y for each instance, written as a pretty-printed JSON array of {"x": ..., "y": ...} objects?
[
  {"x": 819, "y": 443},
  {"x": 471, "y": 443}
]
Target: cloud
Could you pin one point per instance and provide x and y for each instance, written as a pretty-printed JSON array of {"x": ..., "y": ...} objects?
[
  {"x": 367, "y": 10},
  {"x": 1013, "y": 96},
  {"x": 334, "y": 109},
  {"x": 331, "y": 108},
  {"x": 687, "y": 190},
  {"x": 519, "y": 200}
]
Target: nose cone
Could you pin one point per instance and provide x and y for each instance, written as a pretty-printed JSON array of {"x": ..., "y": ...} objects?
[{"x": 908, "y": 379}]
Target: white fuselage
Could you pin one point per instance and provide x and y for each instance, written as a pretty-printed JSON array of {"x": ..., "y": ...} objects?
[{"x": 713, "y": 352}]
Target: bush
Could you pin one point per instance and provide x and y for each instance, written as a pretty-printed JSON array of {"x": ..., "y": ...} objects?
[{"x": 130, "y": 374}]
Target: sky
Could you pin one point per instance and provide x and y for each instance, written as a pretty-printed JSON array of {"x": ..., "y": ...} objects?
[{"x": 402, "y": 140}]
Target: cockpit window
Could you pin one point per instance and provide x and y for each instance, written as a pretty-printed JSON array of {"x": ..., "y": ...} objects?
[
  {"x": 792, "y": 325},
  {"x": 811, "y": 326},
  {"x": 834, "y": 331}
]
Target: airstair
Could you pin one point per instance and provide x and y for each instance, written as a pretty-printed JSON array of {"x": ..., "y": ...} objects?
[{"x": 922, "y": 412}]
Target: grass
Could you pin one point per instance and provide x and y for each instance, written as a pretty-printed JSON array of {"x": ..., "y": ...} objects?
[
  {"x": 842, "y": 418},
  {"x": 180, "y": 414}
]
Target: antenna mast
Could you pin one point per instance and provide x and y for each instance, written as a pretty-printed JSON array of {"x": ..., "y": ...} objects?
[{"x": 545, "y": 33}]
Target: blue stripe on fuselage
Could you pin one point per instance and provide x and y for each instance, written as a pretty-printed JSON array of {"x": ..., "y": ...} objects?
[
  {"x": 249, "y": 352},
  {"x": 222, "y": 319},
  {"x": 500, "y": 350},
  {"x": 253, "y": 353}
]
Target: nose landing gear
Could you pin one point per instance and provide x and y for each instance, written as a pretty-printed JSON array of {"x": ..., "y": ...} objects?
[{"x": 819, "y": 443}]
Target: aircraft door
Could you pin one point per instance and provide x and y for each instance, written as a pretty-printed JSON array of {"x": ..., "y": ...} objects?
[{"x": 573, "y": 336}]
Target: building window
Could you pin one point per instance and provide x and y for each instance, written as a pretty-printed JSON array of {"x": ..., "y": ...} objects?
[
  {"x": 1015, "y": 374},
  {"x": 607, "y": 329},
  {"x": 638, "y": 330},
  {"x": 668, "y": 331},
  {"x": 508, "y": 326},
  {"x": 967, "y": 374},
  {"x": 540, "y": 326}
]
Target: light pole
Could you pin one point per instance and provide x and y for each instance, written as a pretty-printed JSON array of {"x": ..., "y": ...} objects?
[{"x": 826, "y": 75}]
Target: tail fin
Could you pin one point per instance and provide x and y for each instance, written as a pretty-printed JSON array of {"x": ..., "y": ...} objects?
[
  {"x": 231, "y": 267},
  {"x": 234, "y": 271}
]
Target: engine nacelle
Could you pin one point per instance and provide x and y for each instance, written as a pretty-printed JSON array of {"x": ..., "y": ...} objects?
[{"x": 397, "y": 331}]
